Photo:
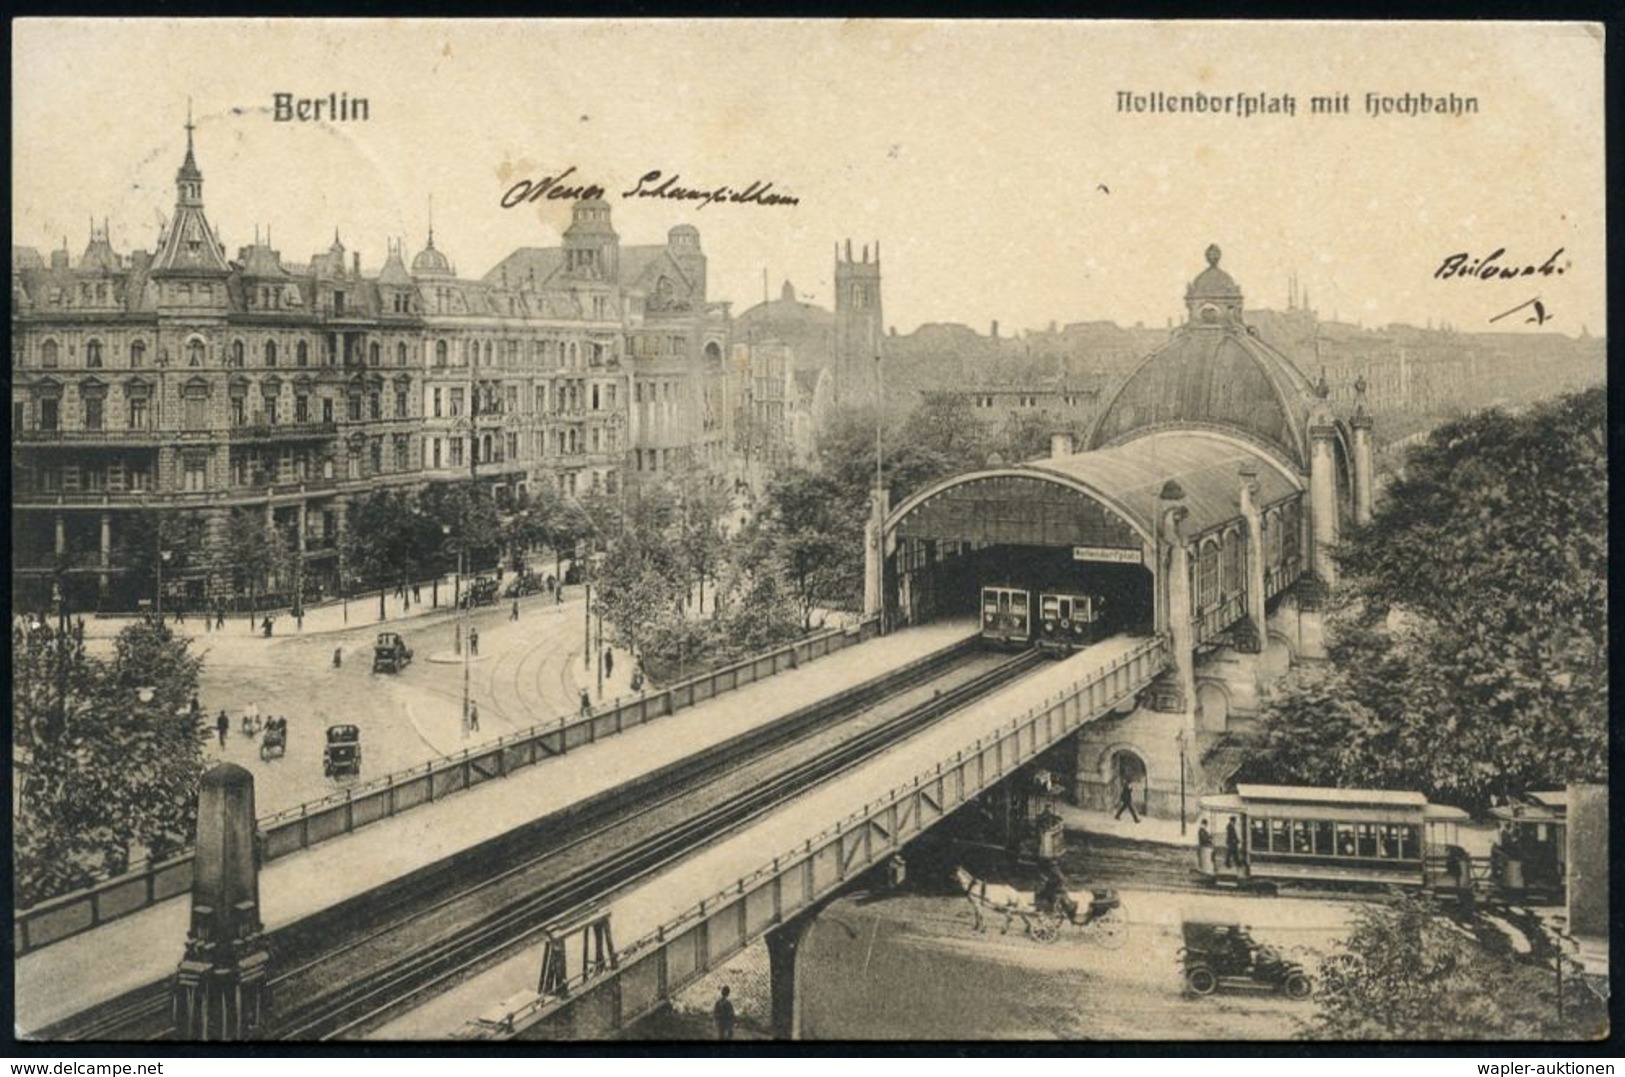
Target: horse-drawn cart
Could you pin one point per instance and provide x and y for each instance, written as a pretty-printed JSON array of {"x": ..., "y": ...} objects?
[
  {"x": 274, "y": 739},
  {"x": 1098, "y": 914}
]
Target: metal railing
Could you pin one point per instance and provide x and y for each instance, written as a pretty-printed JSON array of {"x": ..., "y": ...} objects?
[
  {"x": 292, "y": 829},
  {"x": 679, "y": 952}
]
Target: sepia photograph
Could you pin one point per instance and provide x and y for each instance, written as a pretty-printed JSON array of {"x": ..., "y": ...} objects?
[{"x": 499, "y": 555}]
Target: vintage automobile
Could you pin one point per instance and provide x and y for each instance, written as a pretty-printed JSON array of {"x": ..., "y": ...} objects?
[
  {"x": 342, "y": 756},
  {"x": 481, "y": 591},
  {"x": 390, "y": 653},
  {"x": 1215, "y": 953},
  {"x": 525, "y": 584}
]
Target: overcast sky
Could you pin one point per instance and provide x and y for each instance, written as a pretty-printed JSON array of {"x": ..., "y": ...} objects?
[{"x": 989, "y": 159}]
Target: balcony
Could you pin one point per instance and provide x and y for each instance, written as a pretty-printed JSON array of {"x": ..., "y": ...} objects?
[
  {"x": 141, "y": 436},
  {"x": 248, "y": 432}
]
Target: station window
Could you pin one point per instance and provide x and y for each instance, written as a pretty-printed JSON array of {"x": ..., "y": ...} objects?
[{"x": 1365, "y": 836}]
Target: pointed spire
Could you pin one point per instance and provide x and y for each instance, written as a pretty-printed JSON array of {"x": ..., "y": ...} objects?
[{"x": 189, "y": 169}]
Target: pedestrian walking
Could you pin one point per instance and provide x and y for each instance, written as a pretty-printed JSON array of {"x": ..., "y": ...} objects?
[
  {"x": 473, "y": 717},
  {"x": 417, "y": 593},
  {"x": 586, "y": 703},
  {"x": 1232, "y": 843},
  {"x": 514, "y": 614},
  {"x": 723, "y": 1012},
  {"x": 558, "y": 597},
  {"x": 1125, "y": 802},
  {"x": 609, "y": 663},
  {"x": 222, "y": 726},
  {"x": 265, "y": 626},
  {"x": 474, "y": 641},
  {"x": 220, "y": 618}
]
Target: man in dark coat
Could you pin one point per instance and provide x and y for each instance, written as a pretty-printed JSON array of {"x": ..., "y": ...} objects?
[
  {"x": 1232, "y": 843},
  {"x": 723, "y": 1012},
  {"x": 1125, "y": 802}
]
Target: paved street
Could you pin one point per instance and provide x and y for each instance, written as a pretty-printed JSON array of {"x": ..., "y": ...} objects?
[{"x": 527, "y": 671}]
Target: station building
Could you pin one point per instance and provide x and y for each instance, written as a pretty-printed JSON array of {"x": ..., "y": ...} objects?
[
  {"x": 1203, "y": 505},
  {"x": 188, "y": 386}
]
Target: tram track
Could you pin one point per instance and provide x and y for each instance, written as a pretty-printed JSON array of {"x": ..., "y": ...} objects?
[{"x": 474, "y": 911}]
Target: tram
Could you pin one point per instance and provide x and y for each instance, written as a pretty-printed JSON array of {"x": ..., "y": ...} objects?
[{"x": 1267, "y": 836}]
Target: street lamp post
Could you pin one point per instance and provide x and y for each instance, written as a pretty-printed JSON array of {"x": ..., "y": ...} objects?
[
  {"x": 158, "y": 600},
  {"x": 462, "y": 617}
]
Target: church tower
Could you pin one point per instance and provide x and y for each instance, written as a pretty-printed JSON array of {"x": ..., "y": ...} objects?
[{"x": 858, "y": 324}]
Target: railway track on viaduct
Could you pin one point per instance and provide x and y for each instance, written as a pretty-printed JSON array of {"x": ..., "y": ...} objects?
[{"x": 351, "y": 968}]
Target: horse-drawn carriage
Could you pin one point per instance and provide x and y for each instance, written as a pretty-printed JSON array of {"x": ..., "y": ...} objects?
[{"x": 1098, "y": 914}]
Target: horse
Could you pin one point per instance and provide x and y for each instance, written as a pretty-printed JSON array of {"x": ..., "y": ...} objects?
[{"x": 1001, "y": 896}]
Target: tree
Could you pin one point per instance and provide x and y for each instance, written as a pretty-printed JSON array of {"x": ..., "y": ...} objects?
[
  {"x": 465, "y": 514},
  {"x": 254, "y": 551},
  {"x": 1468, "y": 648},
  {"x": 812, "y": 537},
  {"x": 700, "y": 536},
  {"x": 1024, "y": 436},
  {"x": 1407, "y": 972},
  {"x": 636, "y": 587},
  {"x": 147, "y": 536},
  {"x": 113, "y": 755},
  {"x": 384, "y": 538}
]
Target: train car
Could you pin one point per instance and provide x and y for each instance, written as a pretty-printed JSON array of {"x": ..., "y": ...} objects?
[
  {"x": 1007, "y": 619},
  {"x": 1067, "y": 622},
  {"x": 1286, "y": 835}
]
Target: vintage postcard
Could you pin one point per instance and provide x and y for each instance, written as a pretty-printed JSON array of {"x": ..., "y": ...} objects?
[{"x": 820, "y": 530}]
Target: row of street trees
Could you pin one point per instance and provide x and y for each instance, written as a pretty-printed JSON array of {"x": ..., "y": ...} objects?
[
  {"x": 798, "y": 548},
  {"x": 396, "y": 536},
  {"x": 108, "y": 754}
]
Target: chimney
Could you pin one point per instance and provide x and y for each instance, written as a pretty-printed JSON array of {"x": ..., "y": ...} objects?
[
  {"x": 995, "y": 330},
  {"x": 1060, "y": 444},
  {"x": 356, "y": 263}
]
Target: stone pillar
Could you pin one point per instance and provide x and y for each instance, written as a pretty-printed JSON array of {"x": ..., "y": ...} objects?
[
  {"x": 783, "y": 943},
  {"x": 1364, "y": 468},
  {"x": 219, "y": 989},
  {"x": 1176, "y": 576},
  {"x": 1323, "y": 497},
  {"x": 217, "y": 539},
  {"x": 61, "y": 534},
  {"x": 1251, "y": 513},
  {"x": 106, "y": 563}
]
